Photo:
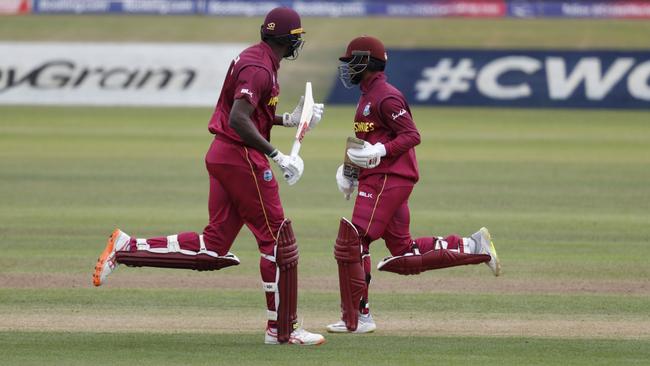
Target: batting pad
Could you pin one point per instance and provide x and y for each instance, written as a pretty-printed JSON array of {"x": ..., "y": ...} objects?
[
  {"x": 174, "y": 257},
  {"x": 286, "y": 259},
  {"x": 415, "y": 263},
  {"x": 352, "y": 278}
]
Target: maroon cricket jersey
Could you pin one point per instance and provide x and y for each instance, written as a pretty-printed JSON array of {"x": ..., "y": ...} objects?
[
  {"x": 253, "y": 76},
  {"x": 383, "y": 115}
]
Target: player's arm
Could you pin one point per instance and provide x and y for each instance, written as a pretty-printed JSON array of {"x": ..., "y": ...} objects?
[
  {"x": 240, "y": 121},
  {"x": 397, "y": 117},
  {"x": 252, "y": 84}
]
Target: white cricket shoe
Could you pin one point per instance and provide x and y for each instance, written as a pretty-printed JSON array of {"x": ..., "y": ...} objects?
[
  {"x": 484, "y": 245},
  {"x": 106, "y": 261},
  {"x": 365, "y": 325},
  {"x": 299, "y": 336}
]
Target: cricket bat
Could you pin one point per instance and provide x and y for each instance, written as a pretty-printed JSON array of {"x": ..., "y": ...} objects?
[
  {"x": 350, "y": 170},
  {"x": 305, "y": 118}
]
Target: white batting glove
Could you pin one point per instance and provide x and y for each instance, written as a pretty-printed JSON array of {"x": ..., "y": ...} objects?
[
  {"x": 319, "y": 109},
  {"x": 292, "y": 166},
  {"x": 345, "y": 184},
  {"x": 293, "y": 119},
  {"x": 369, "y": 156}
]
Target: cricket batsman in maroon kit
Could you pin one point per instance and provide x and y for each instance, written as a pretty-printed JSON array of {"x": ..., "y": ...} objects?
[
  {"x": 243, "y": 189},
  {"x": 388, "y": 171}
]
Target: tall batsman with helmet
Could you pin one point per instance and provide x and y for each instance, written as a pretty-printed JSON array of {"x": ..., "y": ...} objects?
[
  {"x": 387, "y": 171},
  {"x": 243, "y": 189}
]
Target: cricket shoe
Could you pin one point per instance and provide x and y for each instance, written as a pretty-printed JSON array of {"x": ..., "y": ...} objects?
[
  {"x": 106, "y": 261},
  {"x": 299, "y": 336},
  {"x": 484, "y": 245},
  {"x": 365, "y": 325}
]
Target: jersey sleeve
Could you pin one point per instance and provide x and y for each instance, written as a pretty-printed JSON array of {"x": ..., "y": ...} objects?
[
  {"x": 253, "y": 83},
  {"x": 397, "y": 117}
]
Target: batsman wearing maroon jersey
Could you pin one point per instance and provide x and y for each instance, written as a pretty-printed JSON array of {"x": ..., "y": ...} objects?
[
  {"x": 388, "y": 171},
  {"x": 243, "y": 189}
]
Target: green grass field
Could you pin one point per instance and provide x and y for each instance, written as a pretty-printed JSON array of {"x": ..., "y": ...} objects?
[{"x": 564, "y": 192}]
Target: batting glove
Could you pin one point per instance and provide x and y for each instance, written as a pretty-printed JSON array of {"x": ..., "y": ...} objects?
[
  {"x": 292, "y": 166},
  {"x": 369, "y": 156},
  {"x": 345, "y": 184},
  {"x": 293, "y": 119},
  {"x": 319, "y": 109}
]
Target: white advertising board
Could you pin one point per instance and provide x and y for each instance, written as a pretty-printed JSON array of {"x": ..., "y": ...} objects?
[
  {"x": 112, "y": 74},
  {"x": 12, "y": 6}
]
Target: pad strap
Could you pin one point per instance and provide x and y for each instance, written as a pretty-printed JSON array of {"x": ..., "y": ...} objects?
[
  {"x": 142, "y": 244},
  {"x": 273, "y": 288},
  {"x": 269, "y": 258},
  {"x": 271, "y": 315},
  {"x": 172, "y": 244}
]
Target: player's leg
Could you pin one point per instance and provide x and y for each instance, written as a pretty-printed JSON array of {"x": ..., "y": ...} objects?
[
  {"x": 412, "y": 256},
  {"x": 187, "y": 250},
  {"x": 372, "y": 211},
  {"x": 354, "y": 277},
  {"x": 257, "y": 198},
  {"x": 282, "y": 292}
]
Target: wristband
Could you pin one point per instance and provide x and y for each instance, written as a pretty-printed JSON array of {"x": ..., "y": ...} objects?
[
  {"x": 273, "y": 153},
  {"x": 286, "y": 118}
]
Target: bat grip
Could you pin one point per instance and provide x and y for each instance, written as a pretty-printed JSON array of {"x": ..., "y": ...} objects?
[{"x": 295, "y": 149}]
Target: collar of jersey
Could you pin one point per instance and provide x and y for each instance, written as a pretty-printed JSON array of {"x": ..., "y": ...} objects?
[
  {"x": 269, "y": 51},
  {"x": 367, "y": 84}
]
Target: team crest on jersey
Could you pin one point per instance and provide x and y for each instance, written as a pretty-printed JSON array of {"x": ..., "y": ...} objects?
[
  {"x": 268, "y": 175},
  {"x": 273, "y": 101},
  {"x": 366, "y": 110}
]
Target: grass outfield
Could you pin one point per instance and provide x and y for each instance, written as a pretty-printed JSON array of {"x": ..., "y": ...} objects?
[
  {"x": 193, "y": 349},
  {"x": 564, "y": 192}
]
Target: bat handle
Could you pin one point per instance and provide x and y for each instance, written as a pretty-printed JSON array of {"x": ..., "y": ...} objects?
[{"x": 295, "y": 149}]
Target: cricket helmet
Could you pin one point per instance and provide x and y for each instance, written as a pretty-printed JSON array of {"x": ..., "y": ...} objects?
[
  {"x": 363, "y": 53},
  {"x": 282, "y": 25},
  {"x": 365, "y": 45}
]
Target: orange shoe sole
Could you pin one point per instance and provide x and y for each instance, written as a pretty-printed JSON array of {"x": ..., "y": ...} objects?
[{"x": 104, "y": 256}]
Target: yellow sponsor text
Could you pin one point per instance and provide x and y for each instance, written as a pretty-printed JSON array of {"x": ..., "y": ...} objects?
[{"x": 364, "y": 126}]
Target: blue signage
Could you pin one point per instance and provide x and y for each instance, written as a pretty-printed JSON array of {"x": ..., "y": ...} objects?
[
  {"x": 516, "y": 78},
  {"x": 579, "y": 9},
  {"x": 355, "y": 8},
  {"x": 179, "y": 7},
  {"x": 328, "y": 8}
]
